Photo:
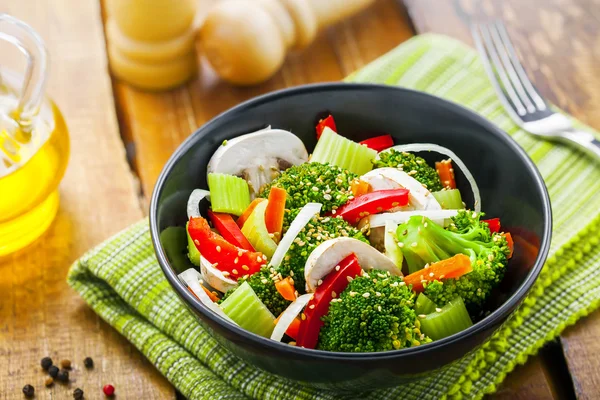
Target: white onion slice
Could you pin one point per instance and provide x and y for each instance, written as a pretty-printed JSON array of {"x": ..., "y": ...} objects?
[
  {"x": 304, "y": 216},
  {"x": 215, "y": 277},
  {"x": 447, "y": 152},
  {"x": 193, "y": 204},
  {"x": 437, "y": 216},
  {"x": 288, "y": 316},
  {"x": 191, "y": 278}
]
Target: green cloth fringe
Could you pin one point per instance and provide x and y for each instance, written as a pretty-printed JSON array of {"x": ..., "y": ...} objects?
[{"x": 122, "y": 282}]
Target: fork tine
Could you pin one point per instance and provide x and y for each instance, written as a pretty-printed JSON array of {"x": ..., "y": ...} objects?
[
  {"x": 509, "y": 68},
  {"x": 533, "y": 93},
  {"x": 489, "y": 56}
]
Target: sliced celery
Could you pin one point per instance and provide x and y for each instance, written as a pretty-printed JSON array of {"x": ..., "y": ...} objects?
[
  {"x": 245, "y": 308},
  {"x": 256, "y": 232},
  {"x": 228, "y": 194},
  {"x": 452, "y": 318},
  {"x": 193, "y": 253},
  {"x": 449, "y": 199},
  {"x": 424, "y": 305},
  {"x": 337, "y": 150},
  {"x": 390, "y": 242}
]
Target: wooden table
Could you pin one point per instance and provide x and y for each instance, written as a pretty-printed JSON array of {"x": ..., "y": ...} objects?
[{"x": 121, "y": 138}]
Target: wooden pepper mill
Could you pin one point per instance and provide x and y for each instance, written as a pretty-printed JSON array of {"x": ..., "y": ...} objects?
[{"x": 246, "y": 41}]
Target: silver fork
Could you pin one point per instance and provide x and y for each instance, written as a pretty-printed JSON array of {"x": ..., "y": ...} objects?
[{"x": 520, "y": 98}]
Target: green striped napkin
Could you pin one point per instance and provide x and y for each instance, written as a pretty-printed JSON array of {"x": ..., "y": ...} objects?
[{"x": 123, "y": 283}]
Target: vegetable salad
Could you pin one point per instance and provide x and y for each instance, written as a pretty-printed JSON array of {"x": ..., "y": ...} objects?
[{"x": 361, "y": 247}]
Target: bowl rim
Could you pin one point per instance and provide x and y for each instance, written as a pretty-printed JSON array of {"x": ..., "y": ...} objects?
[{"x": 493, "y": 318}]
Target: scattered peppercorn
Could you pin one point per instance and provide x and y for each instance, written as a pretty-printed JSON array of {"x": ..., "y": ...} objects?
[
  {"x": 88, "y": 362},
  {"x": 78, "y": 394},
  {"x": 66, "y": 364},
  {"x": 53, "y": 371},
  {"x": 28, "y": 390},
  {"x": 108, "y": 390},
  {"x": 63, "y": 375},
  {"x": 46, "y": 363},
  {"x": 49, "y": 381}
]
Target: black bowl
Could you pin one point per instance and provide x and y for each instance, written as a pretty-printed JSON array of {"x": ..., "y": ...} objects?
[{"x": 511, "y": 189}]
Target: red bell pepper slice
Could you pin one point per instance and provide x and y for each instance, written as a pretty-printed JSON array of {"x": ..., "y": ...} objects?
[
  {"x": 335, "y": 281},
  {"x": 372, "y": 203},
  {"x": 230, "y": 230},
  {"x": 494, "y": 224},
  {"x": 325, "y": 123},
  {"x": 222, "y": 254},
  {"x": 379, "y": 143},
  {"x": 292, "y": 330}
]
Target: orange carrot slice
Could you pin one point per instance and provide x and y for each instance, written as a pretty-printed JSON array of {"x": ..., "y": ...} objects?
[
  {"x": 286, "y": 289},
  {"x": 452, "y": 267},
  {"x": 242, "y": 218},
  {"x": 210, "y": 294},
  {"x": 510, "y": 242},
  {"x": 274, "y": 212},
  {"x": 359, "y": 187},
  {"x": 446, "y": 173}
]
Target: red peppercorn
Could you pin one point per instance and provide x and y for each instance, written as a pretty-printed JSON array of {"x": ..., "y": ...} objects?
[{"x": 108, "y": 390}]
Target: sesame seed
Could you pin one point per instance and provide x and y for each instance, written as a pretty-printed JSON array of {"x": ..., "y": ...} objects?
[
  {"x": 474, "y": 215},
  {"x": 312, "y": 306},
  {"x": 422, "y": 316},
  {"x": 333, "y": 294},
  {"x": 225, "y": 273},
  {"x": 379, "y": 308},
  {"x": 425, "y": 225},
  {"x": 215, "y": 265},
  {"x": 365, "y": 295},
  {"x": 401, "y": 283},
  {"x": 245, "y": 268},
  {"x": 378, "y": 295},
  {"x": 218, "y": 249},
  {"x": 431, "y": 274},
  {"x": 333, "y": 211},
  {"x": 291, "y": 273},
  {"x": 303, "y": 316},
  {"x": 240, "y": 253},
  {"x": 400, "y": 244},
  {"x": 315, "y": 189},
  {"x": 264, "y": 257},
  {"x": 437, "y": 309},
  {"x": 236, "y": 260},
  {"x": 442, "y": 276},
  {"x": 413, "y": 244},
  {"x": 395, "y": 204},
  {"x": 258, "y": 259},
  {"x": 353, "y": 293},
  {"x": 349, "y": 278},
  {"x": 337, "y": 267},
  {"x": 319, "y": 282},
  {"x": 234, "y": 271},
  {"x": 490, "y": 257}
]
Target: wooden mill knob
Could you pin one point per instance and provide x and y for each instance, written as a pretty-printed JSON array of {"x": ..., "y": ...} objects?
[{"x": 246, "y": 41}]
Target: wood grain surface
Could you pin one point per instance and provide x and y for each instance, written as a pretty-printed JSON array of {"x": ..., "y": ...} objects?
[
  {"x": 559, "y": 43},
  {"x": 39, "y": 314}
]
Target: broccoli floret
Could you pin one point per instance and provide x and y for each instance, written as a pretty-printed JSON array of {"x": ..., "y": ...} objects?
[
  {"x": 263, "y": 284},
  {"x": 314, "y": 182},
  {"x": 408, "y": 162},
  {"x": 318, "y": 230},
  {"x": 425, "y": 242},
  {"x": 374, "y": 313}
]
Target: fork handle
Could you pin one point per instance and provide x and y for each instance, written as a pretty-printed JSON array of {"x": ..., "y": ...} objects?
[{"x": 584, "y": 140}]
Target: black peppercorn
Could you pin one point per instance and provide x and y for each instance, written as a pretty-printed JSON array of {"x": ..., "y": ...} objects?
[
  {"x": 63, "y": 375},
  {"x": 49, "y": 381},
  {"x": 46, "y": 363},
  {"x": 78, "y": 394},
  {"x": 53, "y": 371},
  {"x": 88, "y": 362},
  {"x": 28, "y": 390}
]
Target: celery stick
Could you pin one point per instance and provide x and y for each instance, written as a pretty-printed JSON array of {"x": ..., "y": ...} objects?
[
  {"x": 193, "y": 253},
  {"x": 245, "y": 308},
  {"x": 337, "y": 150},
  {"x": 424, "y": 305},
  {"x": 256, "y": 232},
  {"x": 390, "y": 242},
  {"x": 452, "y": 318},
  {"x": 449, "y": 199},
  {"x": 228, "y": 194}
]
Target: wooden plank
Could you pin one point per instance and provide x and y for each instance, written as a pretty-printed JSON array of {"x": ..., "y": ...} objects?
[
  {"x": 159, "y": 122},
  {"x": 558, "y": 42},
  {"x": 39, "y": 314}
]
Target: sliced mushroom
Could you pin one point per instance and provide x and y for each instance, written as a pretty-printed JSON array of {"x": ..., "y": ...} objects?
[
  {"x": 328, "y": 254},
  {"x": 258, "y": 157},
  {"x": 391, "y": 178},
  {"x": 215, "y": 277}
]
